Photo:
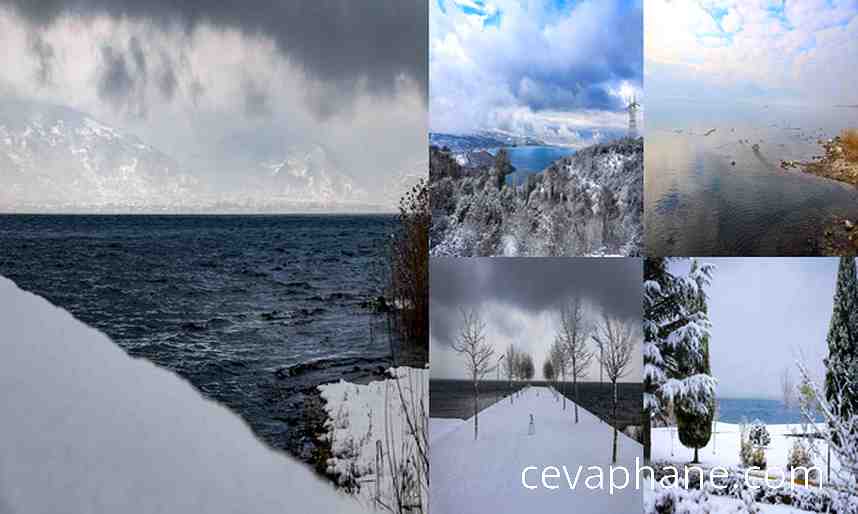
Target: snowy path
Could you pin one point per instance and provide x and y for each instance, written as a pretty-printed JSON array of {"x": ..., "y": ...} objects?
[{"x": 486, "y": 475}]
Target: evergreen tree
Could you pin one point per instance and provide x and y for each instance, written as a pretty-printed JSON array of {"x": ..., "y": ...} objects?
[
  {"x": 502, "y": 167},
  {"x": 675, "y": 330},
  {"x": 694, "y": 424},
  {"x": 841, "y": 376}
]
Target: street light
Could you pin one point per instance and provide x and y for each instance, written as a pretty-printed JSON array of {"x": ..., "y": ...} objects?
[{"x": 497, "y": 394}]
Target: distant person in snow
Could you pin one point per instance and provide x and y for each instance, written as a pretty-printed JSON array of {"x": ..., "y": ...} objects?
[{"x": 531, "y": 429}]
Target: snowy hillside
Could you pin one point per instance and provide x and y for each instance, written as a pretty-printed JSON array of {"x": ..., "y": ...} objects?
[
  {"x": 88, "y": 429},
  {"x": 52, "y": 158},
  {"x": 590, "y": 203}
]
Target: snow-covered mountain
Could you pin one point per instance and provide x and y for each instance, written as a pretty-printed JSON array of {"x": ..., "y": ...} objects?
[
  {"x": 55, "y": 158},
  {"x": 312, "y": 176}
]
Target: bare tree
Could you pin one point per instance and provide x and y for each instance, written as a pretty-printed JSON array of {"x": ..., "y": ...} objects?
[
  {"x": 575, "y": 330},
  {"x": 615, "y": 338},
  {"x": 478, "y": 354},
  {"x": 787, "y": 388},
  {"x": 560, "y": 361},
  {"x": 509, "y": 365}
]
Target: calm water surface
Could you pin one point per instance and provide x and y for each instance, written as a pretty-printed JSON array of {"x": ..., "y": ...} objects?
[
  {"x": 716, "y": 195},
  {"x": 533, "y": 159}
]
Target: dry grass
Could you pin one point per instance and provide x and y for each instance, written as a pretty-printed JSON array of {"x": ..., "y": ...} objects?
[{"x": 849, "y": 141}]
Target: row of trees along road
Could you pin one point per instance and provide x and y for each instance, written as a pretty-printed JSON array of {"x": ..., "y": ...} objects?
[
  {"x": 570, "y": 355},
  {"x": 480, "y": 360}
]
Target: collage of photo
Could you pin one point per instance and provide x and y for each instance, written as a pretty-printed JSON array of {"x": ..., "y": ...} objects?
[{"x": 413, "y": 256}]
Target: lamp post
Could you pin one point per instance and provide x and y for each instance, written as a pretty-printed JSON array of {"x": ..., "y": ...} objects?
[{"x": 497, "y": 395}]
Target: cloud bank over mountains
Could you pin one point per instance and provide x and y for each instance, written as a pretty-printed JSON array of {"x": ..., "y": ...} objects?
[{"x": 227, "y": 89}]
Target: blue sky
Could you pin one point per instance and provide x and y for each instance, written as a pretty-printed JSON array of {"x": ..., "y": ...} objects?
[
  {"x": 547, "y": 69},
  {"x": 763, "y": 51}
]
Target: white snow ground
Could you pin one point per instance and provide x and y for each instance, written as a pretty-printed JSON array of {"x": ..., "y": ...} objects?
[
  {"x": 485, "y": 475},
  {"x": 723, "y": 447},
  {"x": 86, "y": 429}
]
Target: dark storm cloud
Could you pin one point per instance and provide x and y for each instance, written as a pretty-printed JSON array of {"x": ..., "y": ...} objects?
[
  {"x": 339, "y": 41},
  {"x": 530, "y": 285},
  {"x": 44, "y": 54},
  {"x": 138, "y": 56},
  {"x": 115, "y": 84},
  {"x": 167, "y": 81}
]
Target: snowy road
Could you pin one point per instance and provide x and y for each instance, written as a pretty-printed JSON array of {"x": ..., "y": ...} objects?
[{"x": 485, "y": 476}]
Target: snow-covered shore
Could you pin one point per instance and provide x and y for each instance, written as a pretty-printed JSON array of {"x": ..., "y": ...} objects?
[
  {"x": 87, "y": 429},
  {"x": 379, "y": 436}
]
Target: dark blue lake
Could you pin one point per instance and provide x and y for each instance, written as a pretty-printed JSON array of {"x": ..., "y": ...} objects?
[
  {"x": 224, "y": 301},
  {"x": 739, "y": 410}
]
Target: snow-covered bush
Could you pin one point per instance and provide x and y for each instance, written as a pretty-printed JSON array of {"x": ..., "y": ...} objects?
[
  {"x": 751, "y": 454},
  {"x": 676, "y": 501},
  {"x": 799, "y": 457},
  {"x": 759, "y": 435}
]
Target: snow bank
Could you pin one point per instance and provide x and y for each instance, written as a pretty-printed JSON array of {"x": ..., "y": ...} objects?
[
  {"x": 380, "y": 428},
  {"x": 87, "y": 429}
]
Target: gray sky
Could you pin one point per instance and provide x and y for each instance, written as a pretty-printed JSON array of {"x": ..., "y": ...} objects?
[
  {"x": 519, "y": 298},
  {"x": 766, "y": 314},
  {"x": 224, "y": 87}
]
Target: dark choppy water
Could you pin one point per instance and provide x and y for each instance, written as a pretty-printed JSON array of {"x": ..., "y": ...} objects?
[
  {"x": 224, "y": 301},
  {"x": 698, "y": 202},
  {"x": 744, "y": 410}
]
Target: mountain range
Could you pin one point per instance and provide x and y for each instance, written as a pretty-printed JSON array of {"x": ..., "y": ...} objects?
[{"x": 58, "y": 159}]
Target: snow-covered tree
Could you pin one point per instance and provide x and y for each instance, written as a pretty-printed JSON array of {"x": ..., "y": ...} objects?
[
  {"x": 841, "y": 377},
  {"x": 616, "y": 340},
  {"x": 575, "y": 330},
  {"x": 674, "y": 332},
  {"x": 841, "y": 436},
  {"x": 694, "y": 424},
  {"x": 472, "y": 345}
]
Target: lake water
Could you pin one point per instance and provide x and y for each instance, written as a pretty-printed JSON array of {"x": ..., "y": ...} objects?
[
  {"x": 533, "y": 159},
  {"x": 771, "y": 412},
  {"x": 716, "y": 195},
  {"x": 224, "y": 301}
]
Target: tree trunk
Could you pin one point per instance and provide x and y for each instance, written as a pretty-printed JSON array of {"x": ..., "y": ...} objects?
[
  {"x": 647, "y": 435},
  {"x": 563, "y": 389},
  {"x": 696, "y": 460},
  {"x": 614, "y": 418},
  {"x": 476, "y": 410},
  {"x": 575, "y": 387}
]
